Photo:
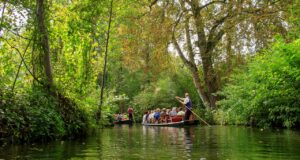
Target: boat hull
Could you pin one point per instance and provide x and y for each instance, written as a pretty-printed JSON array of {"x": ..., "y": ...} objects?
[{"x": 123, "y": 122}]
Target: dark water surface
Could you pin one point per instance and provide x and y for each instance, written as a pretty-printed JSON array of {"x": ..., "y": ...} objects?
[{"x": 139, "y": 142}]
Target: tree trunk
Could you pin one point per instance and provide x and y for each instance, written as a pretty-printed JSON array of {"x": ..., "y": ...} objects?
[
  {"x": 200, "y": 88},
  {"x": 205, "y": 46},
  {"x": 44, "y": 42},
  {"x": 193, "y": 68},
  {"x": 206, "y": 57},
  {"x": 2, "y": 14},
  {"x": 105, "y": 60},
  {"x": 210, "y": 79}
]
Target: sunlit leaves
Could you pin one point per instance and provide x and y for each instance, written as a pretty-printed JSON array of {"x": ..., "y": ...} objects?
[{"x": 267, "y": 94}]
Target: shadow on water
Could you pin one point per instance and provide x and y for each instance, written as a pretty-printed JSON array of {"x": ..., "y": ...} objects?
[{"x": 195, "y": 142}]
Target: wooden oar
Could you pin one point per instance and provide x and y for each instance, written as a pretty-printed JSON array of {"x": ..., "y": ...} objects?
[
  {"x": 198, "y": 116},
  {"x": 194, "y": 113}
]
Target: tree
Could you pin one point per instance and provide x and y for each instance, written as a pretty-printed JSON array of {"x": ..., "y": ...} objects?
[
  {"x": 266, "y": 92},
  {"x": 145, "y": 42},
  {"x": 204, "y": 30},
  {"x": 105, "y": 57},
  {"x": 44, "y": 40}
]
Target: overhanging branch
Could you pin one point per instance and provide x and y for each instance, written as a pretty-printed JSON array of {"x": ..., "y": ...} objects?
[
  {"x": 210, "y": 3},
  {"x": 23, "y": 59}
]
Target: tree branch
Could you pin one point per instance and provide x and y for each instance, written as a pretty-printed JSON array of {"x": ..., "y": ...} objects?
[
  {"x": 2, "y": 14},
  {"x": 24, "y": 61},
  {"x": 176, "y": 43},
  {"x": 17, "y": 34},
  {"x": 180, "y": 51},
  {"x": 17, "y": 75},
  {"x": 189, "y": 43},
  {"x": 213, "y": 37},
  {"x": 152, "y": 4},
  {"x": 201, "y": 43},
  {"x": 216, "y": 25},
  {"x": 210, "y": 3},
  {"x": 212, "y": 43}
]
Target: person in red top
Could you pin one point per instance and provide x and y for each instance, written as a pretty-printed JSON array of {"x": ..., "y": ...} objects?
[{"x": 130, "y": 113}]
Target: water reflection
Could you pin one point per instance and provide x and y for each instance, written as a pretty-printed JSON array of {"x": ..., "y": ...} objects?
[
  {"x": 188, "y": 141},
  {"x": 139, "y": 142},
  {"x": 179, "y": 138}
]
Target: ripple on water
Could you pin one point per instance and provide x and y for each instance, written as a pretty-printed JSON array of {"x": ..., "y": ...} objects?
[{"x": 138, "y": 142}]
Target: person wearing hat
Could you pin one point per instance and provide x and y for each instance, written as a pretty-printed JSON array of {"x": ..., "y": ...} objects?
[
  {"x": 188, "y": 105},
  {"x": 163, "y": 115}
]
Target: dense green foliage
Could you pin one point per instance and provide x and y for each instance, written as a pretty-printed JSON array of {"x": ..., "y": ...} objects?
[
  {"x": 162, "y": 92},
  {"x": 53, "y": 53},
  {"x": 35, "y": 116},
  {"x": 267, "y": 92}
]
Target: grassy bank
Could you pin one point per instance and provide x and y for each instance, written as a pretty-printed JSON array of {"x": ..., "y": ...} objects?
[{"x": 37, "y": 116}]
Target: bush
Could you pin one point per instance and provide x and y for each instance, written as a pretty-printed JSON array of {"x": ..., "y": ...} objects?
[
  {"x": 36, "y": 116},
  {"x": 74, "y": 118},
  {"x": 268, "y": 92},
  {"x": 159, "y": 94},
  {"x": 29, "y": 117}
]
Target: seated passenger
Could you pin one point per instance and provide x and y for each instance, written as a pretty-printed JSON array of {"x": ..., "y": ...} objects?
[
  {"x": 173, "y": 112},
  {"x": 157, "y": 115},
  {"x": 167, "y": 119},
  {"x": 119, "y": 117},
  {"x": 151, "y": 117},
  {"x": 163, "y": 115},
  {"x": 181, "y": 112},
  {"x": 168, "y": 111},
  {"x": 125, "y": 116},
  {"x": 145, "y": 118}
]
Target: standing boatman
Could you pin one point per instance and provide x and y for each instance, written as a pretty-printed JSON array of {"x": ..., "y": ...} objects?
[
  {"x": 130, "y": 113},
  {"x": 188, "y": 105}
]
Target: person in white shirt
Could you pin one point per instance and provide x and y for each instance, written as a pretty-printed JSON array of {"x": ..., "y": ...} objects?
[
  {"x": 151, "y": 117},
  {"x": 173, "y": 112},
  {"x": 144, "y": 118},
  {"x": 188, "y": 105}
]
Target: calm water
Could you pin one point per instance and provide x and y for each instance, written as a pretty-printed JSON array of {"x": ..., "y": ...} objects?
[{"x": 138, "y": 142}]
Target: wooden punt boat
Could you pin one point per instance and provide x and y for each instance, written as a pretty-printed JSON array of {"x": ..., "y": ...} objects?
[
  {"x": 123, "y": 122},
  {"x": 174, "y": 124}
]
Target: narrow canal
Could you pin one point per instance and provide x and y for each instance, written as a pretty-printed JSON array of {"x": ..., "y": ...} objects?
[{"x": 139, "y": 142}]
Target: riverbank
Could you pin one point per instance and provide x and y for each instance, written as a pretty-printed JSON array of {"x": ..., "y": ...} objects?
[{"x": 36, "y": 116}]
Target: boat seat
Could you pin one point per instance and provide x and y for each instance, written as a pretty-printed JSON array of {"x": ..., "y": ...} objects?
[{"x": 176, "y": 118}]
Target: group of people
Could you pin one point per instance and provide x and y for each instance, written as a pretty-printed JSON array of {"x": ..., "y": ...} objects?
[
  {"x": 121, "y": 117},
  {"x": 166, "y": 115},
  {"x": 162, "y": 115},
  {"x": 124, "y": 116}
]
